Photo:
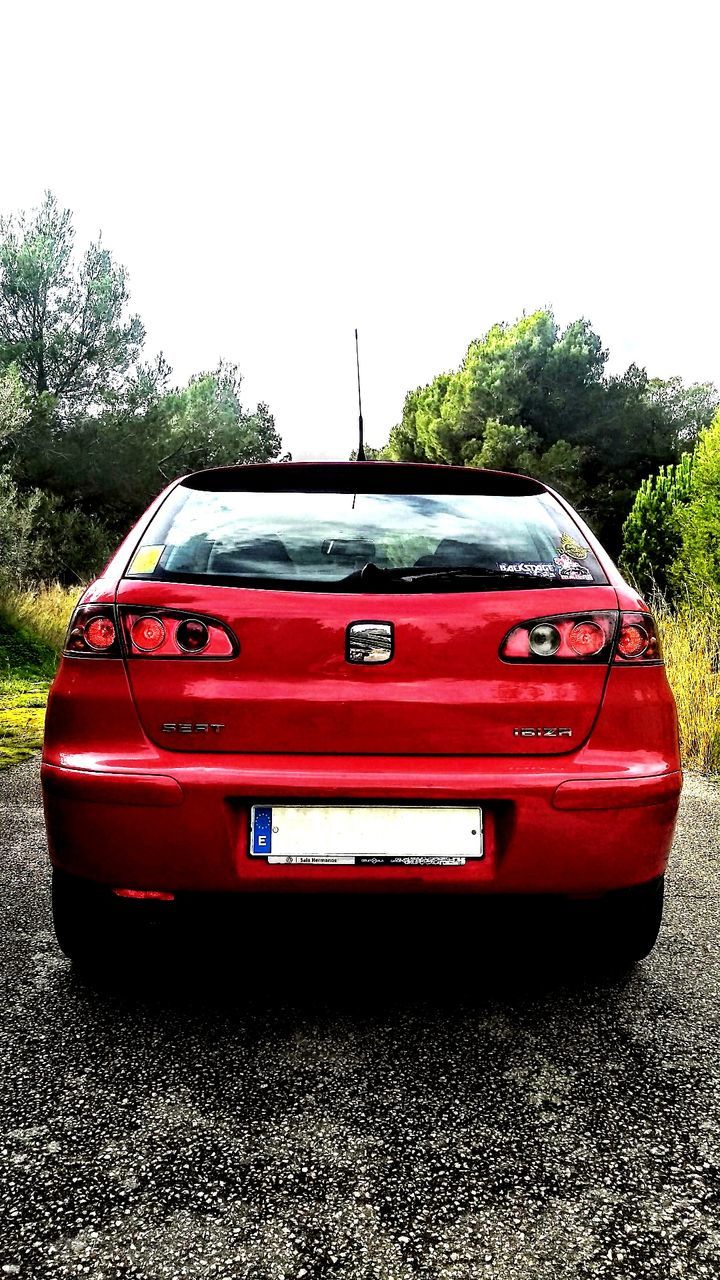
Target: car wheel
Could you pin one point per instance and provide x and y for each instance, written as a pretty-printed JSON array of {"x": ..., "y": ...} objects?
[
  {"x": 625, "y": 925},
  {"x": 83, "y": 919}
]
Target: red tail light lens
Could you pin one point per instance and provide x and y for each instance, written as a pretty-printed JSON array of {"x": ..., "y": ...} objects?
[
  {"x": 147, "y": 634},
  {"x": 93, "y": 632},
  {"x": 633, "y": 641},
  {"x": 638, "y": 640},
  {"x": 169, "y": 633},
  {"x": 100, "y": 633},
  {"x": 587, "y": 639},
  {"x": 571, "y": 637}
]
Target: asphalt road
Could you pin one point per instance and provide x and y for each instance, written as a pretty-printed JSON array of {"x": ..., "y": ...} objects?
[{"x": 358, "y": 1099}]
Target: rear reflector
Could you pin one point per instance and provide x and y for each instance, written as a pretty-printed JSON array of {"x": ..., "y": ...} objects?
[
  {"x": 145, "y": 895},
  {"x": 617, "y": 793}
]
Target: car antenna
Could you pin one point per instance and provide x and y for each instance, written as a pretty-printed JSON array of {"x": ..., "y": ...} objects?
[{"x": 361, "y": 444}]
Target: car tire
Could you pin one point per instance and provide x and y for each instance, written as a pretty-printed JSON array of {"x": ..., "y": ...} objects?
[
  {"x": 84, "y": 922},
  {"x": 625, "y": 925}
]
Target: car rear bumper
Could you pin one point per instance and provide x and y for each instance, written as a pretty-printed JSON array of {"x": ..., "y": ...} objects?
[{"x": 555, "y": 825}]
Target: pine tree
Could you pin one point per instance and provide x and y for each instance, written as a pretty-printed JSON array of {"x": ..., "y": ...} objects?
[{"x": 652, "y": 537}]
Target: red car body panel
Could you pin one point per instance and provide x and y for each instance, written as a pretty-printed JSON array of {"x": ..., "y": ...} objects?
[
  {"x": 290, "y": 687},
  {"x": 128, "y": 805}
]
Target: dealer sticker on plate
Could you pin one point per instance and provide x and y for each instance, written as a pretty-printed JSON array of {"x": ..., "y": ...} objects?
[{"x": 366, "y": 835}]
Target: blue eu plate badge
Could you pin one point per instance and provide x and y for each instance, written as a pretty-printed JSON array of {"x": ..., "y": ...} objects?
[{"x": 262, "y": 830}]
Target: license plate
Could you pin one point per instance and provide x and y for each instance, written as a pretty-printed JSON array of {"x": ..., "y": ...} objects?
[{"x": 346, "y": 835}]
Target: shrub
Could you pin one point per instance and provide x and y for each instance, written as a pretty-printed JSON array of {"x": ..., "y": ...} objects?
[
  {"x": 43, "y": 540},
  {"x": 699, "y": 521}
]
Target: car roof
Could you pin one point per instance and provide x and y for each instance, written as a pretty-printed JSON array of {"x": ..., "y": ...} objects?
[{"x": 362, "y": 477}]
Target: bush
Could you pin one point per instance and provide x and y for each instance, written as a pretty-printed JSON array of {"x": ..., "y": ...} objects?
[
  {"x": 43, "y": 540},
  {"x": 699, "y": 521}
]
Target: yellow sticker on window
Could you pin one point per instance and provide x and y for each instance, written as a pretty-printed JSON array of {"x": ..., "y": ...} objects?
[
  {"x": 569, "y": 547},
  {"x": 145, "y": 559}
]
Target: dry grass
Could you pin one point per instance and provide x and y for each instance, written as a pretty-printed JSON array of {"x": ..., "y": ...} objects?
[
  {"x": 42, "y": 612},
  {"x": 691, "y": 647}
]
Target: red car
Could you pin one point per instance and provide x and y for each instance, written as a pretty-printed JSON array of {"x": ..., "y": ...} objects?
[{"x": 359, "y": 678}]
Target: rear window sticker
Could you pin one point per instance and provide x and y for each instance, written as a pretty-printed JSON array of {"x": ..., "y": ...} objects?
[
  {"x": 569, "y": 547},
  {"x": 146, "y": 558},
  {"x": 570, "y": 569},
  {"x": 531, "y": 567}
]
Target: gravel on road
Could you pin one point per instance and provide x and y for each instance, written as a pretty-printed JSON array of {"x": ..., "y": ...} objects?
[{"x": 361, "y": 1096}]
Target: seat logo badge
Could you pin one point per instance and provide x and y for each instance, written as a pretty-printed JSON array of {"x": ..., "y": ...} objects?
[{"x": 369, "y": 642}]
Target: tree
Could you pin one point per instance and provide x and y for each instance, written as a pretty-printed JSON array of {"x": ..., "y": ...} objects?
[
  {"x": 691, "y": 409},
  {"x": 64, "y": 322},
  {"x": 14, "y": 406},
  {"x": 110, "y": 466},
  {"x": 89, "y": 430},
  {"x": 592, "y": 435},
  {"x": 652, "y": 536}
]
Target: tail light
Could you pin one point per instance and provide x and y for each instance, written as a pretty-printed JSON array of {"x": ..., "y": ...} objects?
[
  {"x": 99, "y": 631},
  {"x": 638, "y": 640},
  {"x": 171, "y": 633},
  {"x": 93, "y": 632},
  {"x": 593, "y": 637},
  {"x": 567, "y": 637}
]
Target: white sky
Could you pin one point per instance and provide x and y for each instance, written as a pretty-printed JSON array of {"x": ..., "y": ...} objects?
[{"x": 273, "y": 174}]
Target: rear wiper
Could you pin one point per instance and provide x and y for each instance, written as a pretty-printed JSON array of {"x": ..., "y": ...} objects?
[
  {"x": 456, "y": 573},
  {"x": 372, "y": 576}
]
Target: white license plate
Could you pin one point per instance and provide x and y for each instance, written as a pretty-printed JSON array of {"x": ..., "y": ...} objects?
[{"x": 345, "y": 834}]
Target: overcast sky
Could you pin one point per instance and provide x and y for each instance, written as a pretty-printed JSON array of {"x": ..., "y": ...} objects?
[{"x": 273, "y": 174}]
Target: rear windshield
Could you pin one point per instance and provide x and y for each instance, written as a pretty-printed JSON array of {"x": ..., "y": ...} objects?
[{"x": 323, "y": 541}]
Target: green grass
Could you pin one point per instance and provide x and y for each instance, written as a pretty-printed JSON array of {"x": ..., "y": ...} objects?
[{"x": 32, "y": 627}]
